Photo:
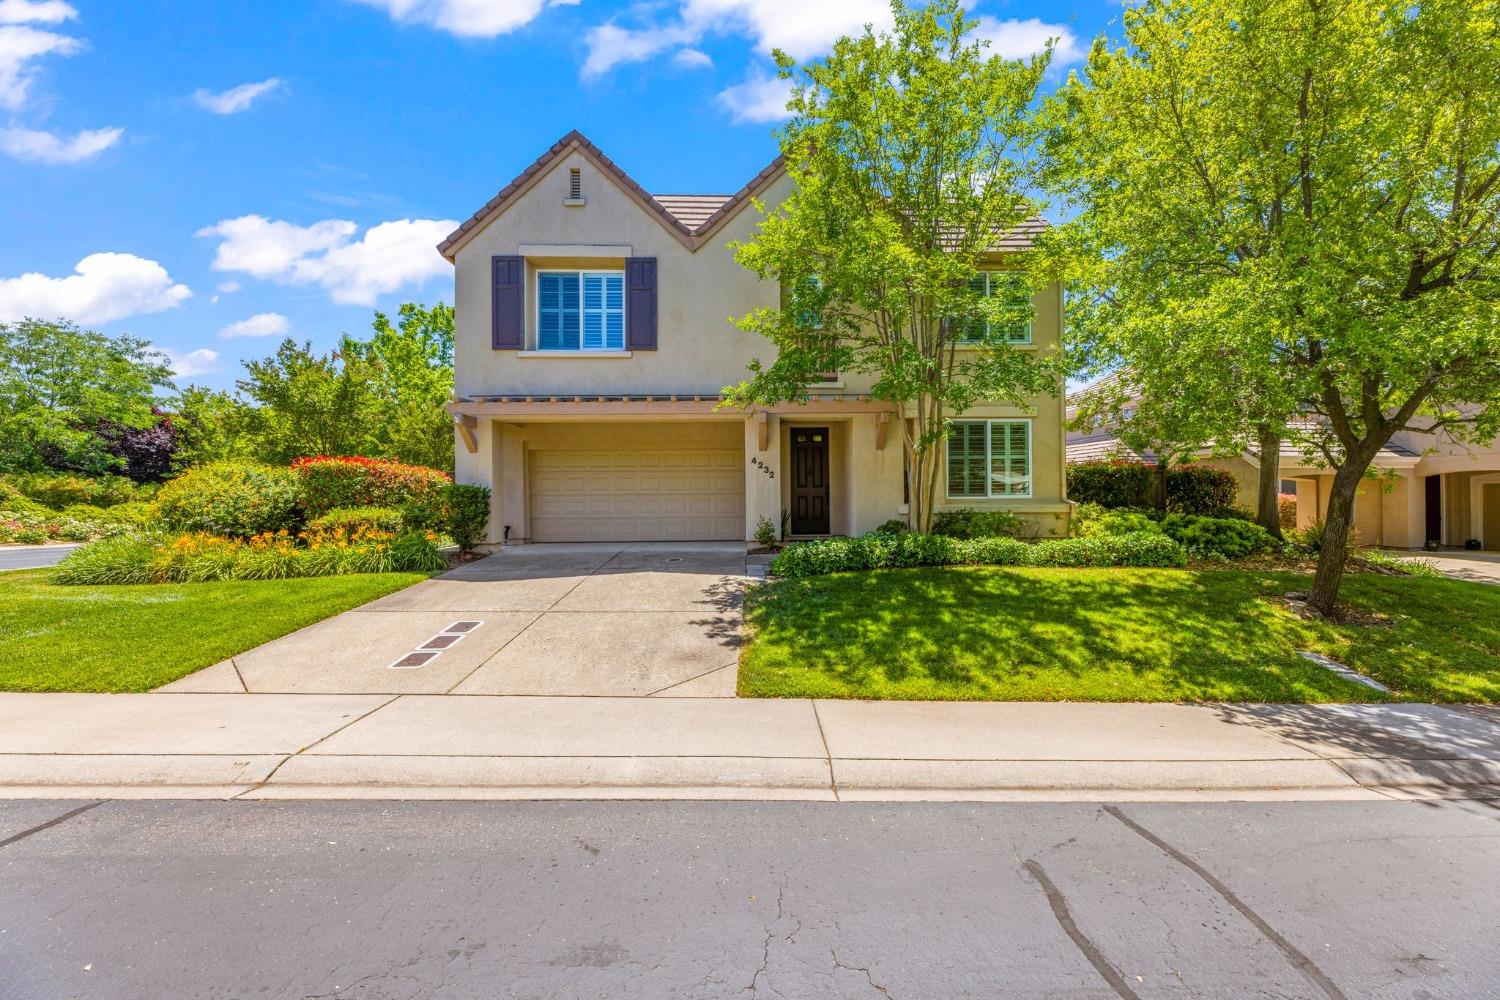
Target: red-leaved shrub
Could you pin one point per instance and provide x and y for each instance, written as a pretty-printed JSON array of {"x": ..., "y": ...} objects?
[{"x": 354, "y": 481}]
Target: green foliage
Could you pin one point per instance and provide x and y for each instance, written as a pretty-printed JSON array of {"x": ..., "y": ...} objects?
[
  {"x": 963, "y": 522},
  {"x": 765, "y": 532},
  {"x": 32, "y": 527},
  {"x": 906, "y": 154},
  {"x": 412, "y": 364},
  {"x": 203, "y": 558},
  {"x": 1201, "y": 489},
  {"x": 1399, "y": 565},
  {"x": 214, "y": 426},
  {"x": 57, "y": 490},
  {"x": 1191, "y": 489},
  {"x": 329, "y": 482},
  {"x": 878, "y": 551},
  {"x": 311, "y": 404},
  {"x": 229, "y": 498},
  {"x": 1289, "y": 208},
  {"x": 1092, "y": 520},
  {"x": 467, "y": 511},
  {"x": 894, "y": 526},
  {"x": 58, "y": 382},
  {"x": 347, "y": 520},
  {"x": 1219, "y": 537}
]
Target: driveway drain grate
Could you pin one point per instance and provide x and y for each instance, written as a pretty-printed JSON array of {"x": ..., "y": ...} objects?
[{"x": 434, "y": 647}]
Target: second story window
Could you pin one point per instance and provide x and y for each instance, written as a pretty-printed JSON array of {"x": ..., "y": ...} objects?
[
  {"x": 1014, "y": 325},
  {"x": 580, "y": 311}
]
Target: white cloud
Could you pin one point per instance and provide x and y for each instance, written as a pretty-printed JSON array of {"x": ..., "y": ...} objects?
[
  {"x": 1016, "y": 39},
  {"x": 47, "y": 147},
  {"x": 19, "y": 46},
  {"x": 390, "y": 256},
  {"x": 800, "y": 28},
  {"x": 36, "y": 12},
  {"x": 103, "y": 287},
  {"x": 228, "y": 287},
  {"x": 186, "y": 364},
  {"x": 467, "y": 18},
  {"x": 259, "y": 325},
  {"x": 758, "y": 99},
  {"x": 610, "y": 45},
  {"x": 235, "y": 99},
  {"x": 691, "y": 59}
]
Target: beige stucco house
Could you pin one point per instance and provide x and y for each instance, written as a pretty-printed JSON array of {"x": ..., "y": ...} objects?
[
  {"x": 1422, "y": 487},
  {"x": 594, "y": 333}
]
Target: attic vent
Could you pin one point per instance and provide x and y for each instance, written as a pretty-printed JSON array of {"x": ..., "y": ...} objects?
[{"x": 575, "y": 187}]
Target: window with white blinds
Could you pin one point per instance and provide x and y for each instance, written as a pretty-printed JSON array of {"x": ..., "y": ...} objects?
[
  {"x": 989, "y": 459},
  {"x": 1016, "y": 310},
  {"x": 580, "y": 311}
]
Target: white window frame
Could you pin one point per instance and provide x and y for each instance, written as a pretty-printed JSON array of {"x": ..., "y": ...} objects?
[
  {"x": 1017, "y": 341},
  {"x": 989, "y": 460},
  {"x": 536, "y": 313}
]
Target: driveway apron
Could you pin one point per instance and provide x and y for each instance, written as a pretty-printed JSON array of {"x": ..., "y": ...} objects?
[{"x": 631, "y": 619}]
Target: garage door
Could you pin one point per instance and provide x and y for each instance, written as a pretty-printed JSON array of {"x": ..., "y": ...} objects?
[{"x": 637, "y": 495}]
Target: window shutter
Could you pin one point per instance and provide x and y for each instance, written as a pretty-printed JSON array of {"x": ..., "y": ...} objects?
[
  {"x": 640, "y": 303},
  {"x": 507, "y": 284}
]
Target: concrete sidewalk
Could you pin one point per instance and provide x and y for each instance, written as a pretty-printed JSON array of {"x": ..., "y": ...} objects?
[{"x": 467, "y": 747}]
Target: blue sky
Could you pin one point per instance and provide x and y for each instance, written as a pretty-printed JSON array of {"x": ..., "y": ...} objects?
[{"x": 217, "y": 174}]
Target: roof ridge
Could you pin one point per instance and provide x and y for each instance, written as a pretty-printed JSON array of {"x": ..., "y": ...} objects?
[{"x": 692, "y": 237}]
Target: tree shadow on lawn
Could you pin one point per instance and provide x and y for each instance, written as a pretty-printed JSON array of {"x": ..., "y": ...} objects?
[{"x": 1045, "y": 634}]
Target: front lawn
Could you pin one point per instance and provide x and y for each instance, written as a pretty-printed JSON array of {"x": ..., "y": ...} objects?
[
  {"x": 135, "y": 638},
  {"x": 1023, "y": 634}
]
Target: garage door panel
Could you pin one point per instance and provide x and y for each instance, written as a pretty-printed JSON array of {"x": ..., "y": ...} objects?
[{"x": 637, "y": 494}]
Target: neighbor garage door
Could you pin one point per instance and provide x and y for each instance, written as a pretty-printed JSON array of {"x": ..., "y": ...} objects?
[{"x": 637, "y": 494}]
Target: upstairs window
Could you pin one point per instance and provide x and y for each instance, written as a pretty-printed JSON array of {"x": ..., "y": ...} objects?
[
  {"x": 580, "y": 311},
  {"x": 1014, "y": 324}
]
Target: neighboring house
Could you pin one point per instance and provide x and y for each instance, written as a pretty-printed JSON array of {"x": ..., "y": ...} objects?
[
  {"x": 1422, "y": 487},
  {"x": 594, "y": 333}
]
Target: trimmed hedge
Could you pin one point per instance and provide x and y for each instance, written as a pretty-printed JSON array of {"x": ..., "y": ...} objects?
[
  {"x": 347, "y": 520},
  {"x": 229, "y": 498},
  {"x": 1224, "y": 537},
  {"x": 963, "y": 522},
  {"x": 329, "y": 483},
  {"x": 878, "y": 551},
  {"x": 467, "y": 511},
  {"x": 1191, "y": 489}
]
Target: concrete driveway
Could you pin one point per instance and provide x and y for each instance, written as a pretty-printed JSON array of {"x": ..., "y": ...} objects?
[
  {"x": 1476, "y": 567},
  {"x": 623, "y": 619}
]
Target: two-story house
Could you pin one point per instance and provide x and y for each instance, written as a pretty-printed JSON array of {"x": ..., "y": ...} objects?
[{"x": 594, "y": 334}]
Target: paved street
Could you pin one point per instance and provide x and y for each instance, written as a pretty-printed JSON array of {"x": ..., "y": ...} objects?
[
  {"x": 655, "y": 900},
  {"x": 32, "y": 556}
]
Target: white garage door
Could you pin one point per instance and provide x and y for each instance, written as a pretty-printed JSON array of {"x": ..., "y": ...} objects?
[{"x": 637, "y": 495}]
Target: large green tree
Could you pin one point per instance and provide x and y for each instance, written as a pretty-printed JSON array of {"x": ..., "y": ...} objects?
[
  {"x": 1295, "y": 205},
  {"x": 412, "y": 365},
  {"x": 907, "y": 154},
  {"x": 312, "y": 404},
  {"x": 59, "y": 384}
]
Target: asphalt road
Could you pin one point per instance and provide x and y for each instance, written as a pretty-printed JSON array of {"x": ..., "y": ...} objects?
[
  {"x": 32, "y": 556},
  {"x": 704, "y": 900}
]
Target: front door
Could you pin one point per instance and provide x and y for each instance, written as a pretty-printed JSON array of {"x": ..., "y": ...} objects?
[
  {"x": 1491, "y": 522},
  {"x": 810, "y": 514}
]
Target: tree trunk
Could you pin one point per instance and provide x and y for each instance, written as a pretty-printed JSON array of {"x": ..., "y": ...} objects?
[
  {"x": 1268, "y": 503},
  {"x": 1337, "y": 524}
]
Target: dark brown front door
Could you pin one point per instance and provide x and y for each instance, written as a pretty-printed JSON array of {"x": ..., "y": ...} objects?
[{"x": 810, "y": 481}]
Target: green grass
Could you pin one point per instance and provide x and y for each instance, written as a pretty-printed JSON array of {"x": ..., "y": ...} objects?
[
  {"x": 989, "y": 633},
  {"x": 135, "y": 638}
]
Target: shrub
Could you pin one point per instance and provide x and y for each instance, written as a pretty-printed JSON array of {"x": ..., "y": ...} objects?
[
  {"x": 330, "y": 482},
  {"x": 878, "y": 551},
  {"x": 895, "y": 526},
  {"x": 765, "y": 532},
  {"x": 1090, "y": 520},
  {"x": 199, "y": 557},
  {"x": 1225, "y": 537},
  {"x": 57, "y": 490},
  {"x": 466, "y": 512},
  {"x": 347, "y": 520},
  {"x": 34, "y": 527},
  {"x": 1191, "y": 489},
  {"x": 963, "y": 522},
  {"x": 229, "y": 498},
  {"x": 1286, "y": 510}
]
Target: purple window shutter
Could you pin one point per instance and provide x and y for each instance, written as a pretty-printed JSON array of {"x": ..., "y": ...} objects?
[
  {"x": 640, "y": 303},
  {"x": 507, "y": 322}
]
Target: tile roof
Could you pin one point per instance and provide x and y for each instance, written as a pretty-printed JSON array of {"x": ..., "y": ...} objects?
[
  {"x": 698, "y": 222},
  {"x": 692, "y": 210},
  {"x": 1104, "y": 446}
]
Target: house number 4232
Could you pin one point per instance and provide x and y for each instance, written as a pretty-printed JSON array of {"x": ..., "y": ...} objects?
[{"x": 763, "y": 467}]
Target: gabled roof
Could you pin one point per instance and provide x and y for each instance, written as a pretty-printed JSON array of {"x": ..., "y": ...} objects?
[{"x": 691, "y": 218}]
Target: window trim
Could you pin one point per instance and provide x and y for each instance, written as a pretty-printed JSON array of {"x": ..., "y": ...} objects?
[
  {"x": 1025, "y": 341},
  {"x": 536, "y": 338},
  {"x": 989, "y": 458}
]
